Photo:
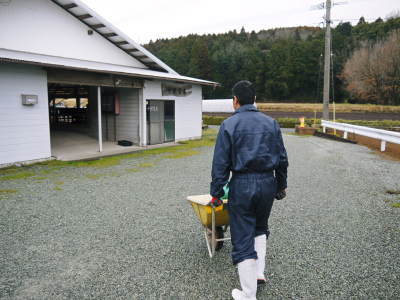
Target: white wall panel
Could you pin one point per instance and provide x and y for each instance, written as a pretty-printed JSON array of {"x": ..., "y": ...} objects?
[
  {"x": 188, "y": 115},
  {"x": 40, "y": 26},
  {"x": 24, "y": 130},
  {"x": 219, "y": 106}
]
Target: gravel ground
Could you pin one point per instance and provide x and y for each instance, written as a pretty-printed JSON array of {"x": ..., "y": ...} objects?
[{"x": 108, "y": 233}]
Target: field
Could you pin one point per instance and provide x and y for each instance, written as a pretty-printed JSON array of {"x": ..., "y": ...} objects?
[
  {"x": 340, "y": 108},
  {"x": 292, "y": 122}
]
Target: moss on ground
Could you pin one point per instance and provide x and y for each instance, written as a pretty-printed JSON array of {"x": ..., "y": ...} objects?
[
  {"x": 16, "y": 176},
  {"x": 59, "y": 182},
  {"x": 181, "y": 150},
  {"x": 57, "y": 188},
  {"x": 146, "y": 165},
  {"x": 133, "y": 170},
  {"x": 10, "y": 170},
  {"x": 114, "y": 174},
  {"x": 97, "y": 163},
  {"x": 299, "y": 135},
  {"x": 94, "y": 176},
  {"x": 396, "y": 205},
  {"x": 182, "y": 154},
  {"x": 51, "y": 168},
  {"x": 7, "y": 191}
]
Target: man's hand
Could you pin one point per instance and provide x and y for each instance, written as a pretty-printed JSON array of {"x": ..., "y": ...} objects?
[
  {"x": 280, "y": 195},
  {"x": 215, "y": 202}
]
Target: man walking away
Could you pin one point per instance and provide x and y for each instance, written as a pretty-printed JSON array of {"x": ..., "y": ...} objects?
[{"x": 250, "y": 145}]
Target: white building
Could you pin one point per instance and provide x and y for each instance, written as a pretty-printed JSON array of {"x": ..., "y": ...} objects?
[
  {"x": 66, "y": 75},
  {"x": 219, "y": 106}
]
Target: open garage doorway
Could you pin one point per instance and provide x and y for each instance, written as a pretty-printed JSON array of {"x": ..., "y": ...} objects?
[
  {"x": 91, "y": 114},
  {"x": 74, "y": 115},
  {"x": 73, "y": 119},
  {"x": 68, "y": 107}
]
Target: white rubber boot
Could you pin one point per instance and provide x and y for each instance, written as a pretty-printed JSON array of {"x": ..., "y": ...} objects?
[
  {"x": 248, "y": 280},
  {"x": 260, "y": 245}
]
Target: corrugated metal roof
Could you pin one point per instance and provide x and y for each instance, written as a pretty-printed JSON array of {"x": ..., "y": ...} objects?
[
  {"x": 76, "y": 64},
  {"x": 89, "y": 17}
]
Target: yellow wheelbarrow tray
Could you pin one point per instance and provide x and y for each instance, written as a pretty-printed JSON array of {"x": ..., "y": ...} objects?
[{"x": 210, "y": 218}]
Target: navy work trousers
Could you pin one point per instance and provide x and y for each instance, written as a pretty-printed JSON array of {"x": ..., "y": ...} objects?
[{"x": 251, "y": 196}]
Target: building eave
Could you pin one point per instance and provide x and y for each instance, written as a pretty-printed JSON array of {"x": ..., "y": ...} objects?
[
  {"x": 97, "y": 23},
  {"x": 7, "y": 55}
]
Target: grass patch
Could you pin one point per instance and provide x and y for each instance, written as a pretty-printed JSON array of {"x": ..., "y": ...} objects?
[
  {"x": 5, "y": 192},
  {"x": 20, "y": 175},
  {"x": 59, "y": 182},
  {"x": 146, "y": 165},
  {"x": 299, "y": 135},
  {"x": 373, "y": 123},
  {"x": 396, "y": 205},
  {"x": 104, "y": 162},
  {"x": 283, "y": 122},
  {"x": 393, "y": 192},
  {"x": 93, "y": 176},
  {"x": 40, "y": 178},
  {"x": 115, "y": 174},
  {"x": 50, "y": 170},
  {"x": 207, "y": 140},
  {"x": 185, "y": 148},
  {"x": 133, "y": 170},
  {"x": 10, "y": 170},
  {"x": 292, "y": 122},
  {"x": 57, "y": 188},
  {"x": 182, "y": 154}
]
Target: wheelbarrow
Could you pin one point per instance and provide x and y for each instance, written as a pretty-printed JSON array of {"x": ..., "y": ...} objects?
[{"x": 214, "y": 220}]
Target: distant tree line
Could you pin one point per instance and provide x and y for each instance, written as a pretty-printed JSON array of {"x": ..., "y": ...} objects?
[{"x": 286, "y": 64}]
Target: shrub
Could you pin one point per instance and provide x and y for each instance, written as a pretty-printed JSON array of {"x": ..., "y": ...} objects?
[{"x": 292, "y": 122}]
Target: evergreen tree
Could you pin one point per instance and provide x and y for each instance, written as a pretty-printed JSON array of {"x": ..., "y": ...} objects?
[{"x": 282, "y": 63}]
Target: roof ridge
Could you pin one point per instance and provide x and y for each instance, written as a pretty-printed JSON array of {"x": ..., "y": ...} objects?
[{"x": 113, "y": 34}]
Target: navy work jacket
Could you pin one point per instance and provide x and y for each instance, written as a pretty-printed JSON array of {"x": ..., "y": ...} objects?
[{"x": 248, "y": 142}]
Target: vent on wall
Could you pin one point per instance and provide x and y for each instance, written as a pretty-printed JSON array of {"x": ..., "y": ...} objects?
[{"x": 29, "y": 100}]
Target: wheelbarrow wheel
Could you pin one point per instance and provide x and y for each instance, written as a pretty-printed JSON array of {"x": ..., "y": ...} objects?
[{"x": 219, "y": 233}]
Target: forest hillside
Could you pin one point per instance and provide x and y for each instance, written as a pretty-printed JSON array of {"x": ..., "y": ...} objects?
[{"x": 286, "y": 64}]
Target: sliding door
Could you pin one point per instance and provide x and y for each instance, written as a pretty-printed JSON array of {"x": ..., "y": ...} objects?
[{"x": 160, "y": 121}]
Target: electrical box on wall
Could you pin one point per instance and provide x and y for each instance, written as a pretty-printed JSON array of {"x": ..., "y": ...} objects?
[{"x": 29, "y": 99}]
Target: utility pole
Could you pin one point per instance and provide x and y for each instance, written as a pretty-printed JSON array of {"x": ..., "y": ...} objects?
[{"x": 327, "y": 65}]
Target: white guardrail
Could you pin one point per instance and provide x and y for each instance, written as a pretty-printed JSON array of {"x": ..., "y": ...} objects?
[{"x": 379, "y": 134}]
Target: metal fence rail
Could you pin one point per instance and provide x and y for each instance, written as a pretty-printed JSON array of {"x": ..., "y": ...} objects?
[{"x": 383, "y": 135}]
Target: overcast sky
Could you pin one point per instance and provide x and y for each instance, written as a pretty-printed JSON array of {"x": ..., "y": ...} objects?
[{"x": 154, "y": 19}]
